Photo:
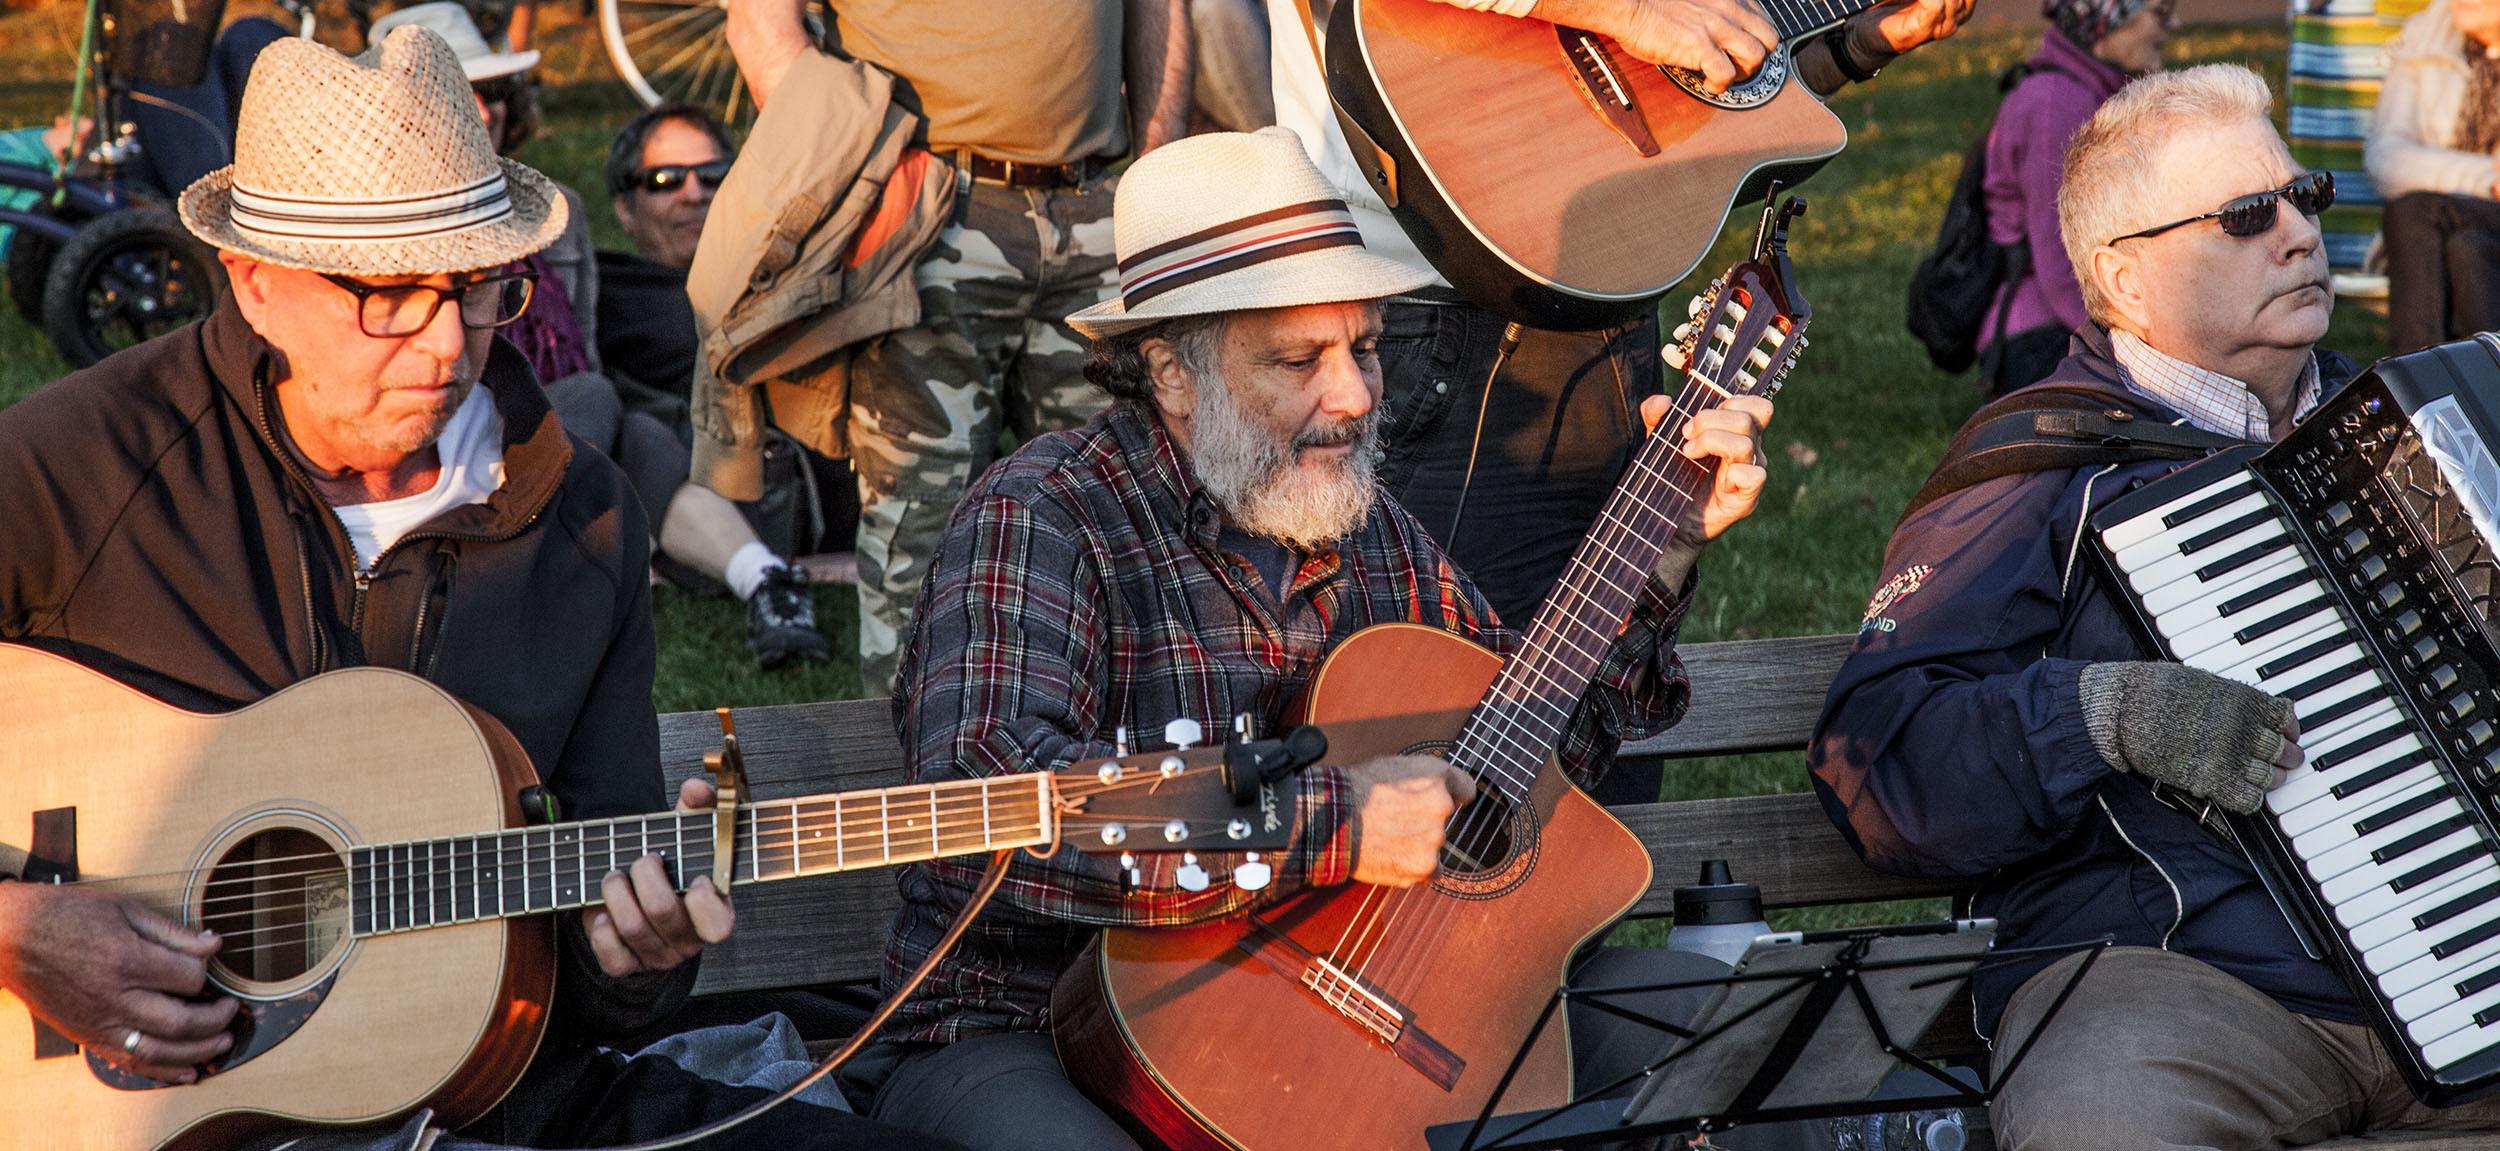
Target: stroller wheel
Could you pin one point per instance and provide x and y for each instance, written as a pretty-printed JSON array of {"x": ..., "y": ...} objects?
[{"x": 127, "y": 278}]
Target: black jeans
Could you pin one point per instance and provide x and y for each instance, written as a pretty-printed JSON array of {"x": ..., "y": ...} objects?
[{"x": 2443, "y": 268}]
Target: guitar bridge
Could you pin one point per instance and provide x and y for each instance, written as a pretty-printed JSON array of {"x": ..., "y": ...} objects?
[{"x": 1602, "y": 84}]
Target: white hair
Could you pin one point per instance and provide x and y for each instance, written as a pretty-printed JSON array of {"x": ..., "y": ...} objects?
[{"x": 2105, "y": 192}]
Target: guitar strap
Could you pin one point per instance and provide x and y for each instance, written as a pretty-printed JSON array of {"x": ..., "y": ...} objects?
[{"x": 1378, "y": 166}]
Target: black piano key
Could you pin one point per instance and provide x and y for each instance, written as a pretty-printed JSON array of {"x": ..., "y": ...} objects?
[
  {"x": 2484, "y": 982},
  {"x": 2303, "y": 691},
  {"x": 2380, "y": 774},
  {"x": 2478, "y": 933},
  {"x": 2274, "y": 667},
  {"x": 2383, "y": 820},
  {"x": 2242, "y": 558},
  {"x": 2484, "y": 1017},
  {"x": 2263, "y": 592},
  {"x": 2208, "y": 505},
  {"x": 2423, "y": 838},
  {"x": 2228, "y": 531},
  {"x": 2436, "y": 868},
  {"x": 2456, "y": 907},
  {"x": 2360, "y": 747},
  {"x": 2289, "y": 616},
  {"x": 2327, "y": 715}
]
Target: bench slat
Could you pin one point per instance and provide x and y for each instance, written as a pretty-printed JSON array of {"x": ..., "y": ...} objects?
[{"x": 1751, "y": 695}]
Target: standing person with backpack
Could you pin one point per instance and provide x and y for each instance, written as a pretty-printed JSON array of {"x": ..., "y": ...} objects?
[{"x": 2090, "y": 50}]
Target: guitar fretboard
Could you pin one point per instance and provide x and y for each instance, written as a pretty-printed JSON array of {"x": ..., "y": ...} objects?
[
  {"x": 1795, "y": 18},
  {"x": 530, "y": 870}
]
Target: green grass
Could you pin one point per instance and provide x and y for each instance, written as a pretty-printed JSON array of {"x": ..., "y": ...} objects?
[{"x": 1863, "y": 419}]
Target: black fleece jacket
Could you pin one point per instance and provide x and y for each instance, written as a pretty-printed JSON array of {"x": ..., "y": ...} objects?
[{"x": 153, "y": 528}]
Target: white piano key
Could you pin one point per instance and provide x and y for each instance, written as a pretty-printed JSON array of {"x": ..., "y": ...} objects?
[
  {"x": 2356, "y": 852},
  {"x": 2382, "y": 930},
  {"x": 2375, "y": 875},
  {"x": 2167, "y": 543},
  {"x": 2317, "y": 827},
  {"x": 2379, "y": 902},
  {"x": 2432, "y": 970},
  {"x": 2310, "y": 785},
  {"x": 2390, "y": 954},
  {"x": 2172, "y": 580},
  {"x": 2148, "y": 525},
  {"x": 2222, "y": 632}
]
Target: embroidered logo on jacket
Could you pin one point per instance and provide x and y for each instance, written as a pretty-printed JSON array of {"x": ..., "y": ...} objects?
[{"x": 1892, "y": 593}]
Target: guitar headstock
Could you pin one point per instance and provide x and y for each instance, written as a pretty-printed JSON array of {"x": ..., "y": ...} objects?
[
  {"x": 1746, "y": 327},
  {"x": 1235, "y": 796}
]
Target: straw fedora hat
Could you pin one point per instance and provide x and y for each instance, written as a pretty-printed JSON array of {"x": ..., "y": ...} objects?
[
  {"x": 376, "y": 166},
  {"x": 478, "y": 59},
  {"x": 1229, "y": 222}
]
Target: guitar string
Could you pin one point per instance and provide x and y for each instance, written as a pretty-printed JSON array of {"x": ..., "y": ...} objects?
[
  {"x": 1499, "y": 721},
  {"x": 1070, "y": 786},
  {"x": 1544, "y": 629},
  {"x": 692, "y": 861},
  {"x": 1421, "y": 943}
]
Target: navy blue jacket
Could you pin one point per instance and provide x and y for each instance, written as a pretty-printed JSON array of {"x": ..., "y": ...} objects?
[{"x": 1953, "y": 742}]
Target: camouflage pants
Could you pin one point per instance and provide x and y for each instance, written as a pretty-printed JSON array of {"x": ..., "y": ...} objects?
[{"x": 992, "y": 352}]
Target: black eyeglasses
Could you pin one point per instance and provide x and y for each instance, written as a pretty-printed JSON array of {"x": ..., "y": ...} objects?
[
  {"x": 2253, "y": 214},
  {"x": 387, "y": 311},
  {"x": 670, "y": 177}
]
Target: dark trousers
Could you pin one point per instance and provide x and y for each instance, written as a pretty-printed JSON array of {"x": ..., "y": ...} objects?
[
  {"x": 1559, "y": 426},
  {"x": 586, "y": 1097},
  {"x": 2023, "y": 358},
  {"x": 2443, "y": 268},
  {"x": 1007, "y": 1092}
]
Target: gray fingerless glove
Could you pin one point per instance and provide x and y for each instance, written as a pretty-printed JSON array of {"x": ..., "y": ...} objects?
[{"x": 2194, "y": 730}]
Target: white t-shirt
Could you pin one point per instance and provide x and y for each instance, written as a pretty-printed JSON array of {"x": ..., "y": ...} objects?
[
  {"x": 471, "y": 451},
  {"x": 1302, "y": 105}
]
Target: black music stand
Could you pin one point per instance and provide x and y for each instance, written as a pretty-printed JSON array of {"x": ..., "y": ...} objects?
[{"x": 1779, "y": 1041}]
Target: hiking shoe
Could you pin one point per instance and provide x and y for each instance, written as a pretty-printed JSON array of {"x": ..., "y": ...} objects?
[{"x": 781, "y": 621}]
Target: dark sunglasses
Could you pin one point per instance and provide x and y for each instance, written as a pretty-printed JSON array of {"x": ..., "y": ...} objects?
[
  {"x": 2253, "y": 214},
  {"x": 670, "y": 177}
]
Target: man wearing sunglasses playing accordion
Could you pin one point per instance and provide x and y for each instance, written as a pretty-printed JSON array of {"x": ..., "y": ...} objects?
[{"x": 1999, "y": 720}]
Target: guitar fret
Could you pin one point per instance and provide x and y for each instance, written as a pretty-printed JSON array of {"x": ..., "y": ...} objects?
[
  {"x": 885, "y": 825},
  {"x": 988, "y": 841},
  {"x": 936, "y": 848},
  {"x": 841, "y": 832}
]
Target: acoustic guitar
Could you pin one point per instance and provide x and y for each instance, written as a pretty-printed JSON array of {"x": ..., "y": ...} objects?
[
  {"x": 358, "y": 841},
  {"x": 1359, "y": 1016},
  {"x": 1552, "y": 177}
]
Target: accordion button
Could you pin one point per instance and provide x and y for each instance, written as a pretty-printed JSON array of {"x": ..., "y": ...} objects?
[{"x": 2388, "y": 597}]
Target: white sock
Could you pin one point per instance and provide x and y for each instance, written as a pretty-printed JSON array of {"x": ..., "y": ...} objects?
[{"x": 746, "y": 569}]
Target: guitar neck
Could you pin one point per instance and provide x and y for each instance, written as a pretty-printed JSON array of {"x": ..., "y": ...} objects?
[
  {"x": 1798, "y": 19},
  {"x": 1524, "y": 714},
  {"x": 397, "y": 887}
]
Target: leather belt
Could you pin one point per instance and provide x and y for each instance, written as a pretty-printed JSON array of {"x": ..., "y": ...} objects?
[{"x": 1016, "y": 174}]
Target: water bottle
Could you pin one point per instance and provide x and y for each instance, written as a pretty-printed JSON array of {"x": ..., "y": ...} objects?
[
  {"x": 1718, "y": 916},
  {"x": 1902, "y": 1131}
]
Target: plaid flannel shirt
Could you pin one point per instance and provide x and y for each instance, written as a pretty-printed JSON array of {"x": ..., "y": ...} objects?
[{"x": 1079, "y": 589}]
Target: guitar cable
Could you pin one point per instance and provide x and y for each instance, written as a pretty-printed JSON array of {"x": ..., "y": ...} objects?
[
  {"x": 990, "y": 879},
  {"x": 1511, "y": 334}
]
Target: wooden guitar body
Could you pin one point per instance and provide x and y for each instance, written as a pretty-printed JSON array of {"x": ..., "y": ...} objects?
[
  {"x": 1517, "y": 187},
  {"x": 1208, "y": 1037},
  {"x": 446, "y": 1017}
]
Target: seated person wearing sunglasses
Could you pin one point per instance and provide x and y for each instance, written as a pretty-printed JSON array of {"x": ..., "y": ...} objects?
[
  {"x": 2000, "y": 722},
  {"x": 661, "y": 171}
]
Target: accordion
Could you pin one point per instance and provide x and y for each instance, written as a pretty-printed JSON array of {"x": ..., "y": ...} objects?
[{"x": 2351, "y": 569}]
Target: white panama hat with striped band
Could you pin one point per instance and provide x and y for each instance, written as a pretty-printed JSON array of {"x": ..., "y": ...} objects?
[
  {"x": 1232, "y": 222},
  {"x": 376, "y": 166}
]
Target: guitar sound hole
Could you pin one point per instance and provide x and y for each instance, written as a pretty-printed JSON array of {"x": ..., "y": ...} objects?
[
  {"x": 279, "y": 898},
  {"x": 1480, "y": 835}
]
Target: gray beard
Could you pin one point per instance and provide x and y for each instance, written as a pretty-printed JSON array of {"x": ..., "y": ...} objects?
[{"x": 1257, "y": 482}]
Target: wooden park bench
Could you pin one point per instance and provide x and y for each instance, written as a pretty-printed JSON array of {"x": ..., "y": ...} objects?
[{"x": 1748, "y": 696}]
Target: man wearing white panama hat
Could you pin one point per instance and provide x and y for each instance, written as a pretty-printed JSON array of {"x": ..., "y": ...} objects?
[
  {"x": 342, "y": 466},
  {"x": 1194, "y": 552}
]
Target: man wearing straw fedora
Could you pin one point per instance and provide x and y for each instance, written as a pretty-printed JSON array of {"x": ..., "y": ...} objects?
[
  {"x": 343, "y": 466},
  {"x": 1194, "y": 552}
]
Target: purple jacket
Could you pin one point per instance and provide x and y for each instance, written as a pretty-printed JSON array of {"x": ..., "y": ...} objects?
[{"x": 2026, "y": 152}]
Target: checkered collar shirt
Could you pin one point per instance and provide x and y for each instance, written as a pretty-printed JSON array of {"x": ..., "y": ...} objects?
[
  {"x": 1082, "y": 587},
  {"x": 2210, "y": 400}
]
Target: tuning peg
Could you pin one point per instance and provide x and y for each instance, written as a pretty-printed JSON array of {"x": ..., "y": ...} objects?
[
  {"x": 1175, "y": 831},
  {"x": 1693, "y": 308},
  {"x": 1241, "y": 727},
  {"x": 1119, "y": 741},
  {"x": 1183, "y": 733},
  {"x": 1252, "y": 875},
  {"x": 1676, "y": 357},
  {"x": 1189, "y": 875},
  {"x": 1130, "y": 877}
]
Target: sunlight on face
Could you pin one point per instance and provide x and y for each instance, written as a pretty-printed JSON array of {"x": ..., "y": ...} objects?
[
  {"x": 1285, "y": 432},
  {"x": 2210, "y": 296},
  {"x": 358, "y": 401}
]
